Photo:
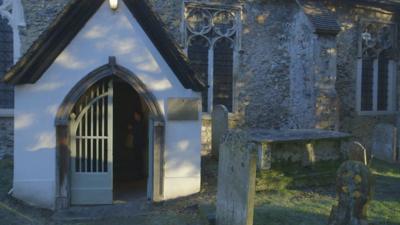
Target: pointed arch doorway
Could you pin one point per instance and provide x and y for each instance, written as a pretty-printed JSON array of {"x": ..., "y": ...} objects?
[{"x": 110, "y": 135}]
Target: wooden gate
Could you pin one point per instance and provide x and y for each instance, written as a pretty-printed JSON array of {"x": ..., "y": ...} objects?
[{"x": 92, "y": 146}]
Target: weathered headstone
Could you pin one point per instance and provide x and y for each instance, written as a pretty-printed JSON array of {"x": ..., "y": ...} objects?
[
  {"x": 236, "y": 179},
  {"x": 353, "y": 186},
  {"x": 357, "y": 152},
  {"x": 384, "y": 142},
  {"x": 219, "y": 127}
]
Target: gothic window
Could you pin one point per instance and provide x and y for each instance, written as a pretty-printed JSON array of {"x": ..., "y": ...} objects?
[
  {"x": 11, "y": 19},
  {"x": 223, "y": 70},
  {"x": 377, "y": 70},
  {"x": 211, "y": 38},
  {"x": 198, "y": 54}
]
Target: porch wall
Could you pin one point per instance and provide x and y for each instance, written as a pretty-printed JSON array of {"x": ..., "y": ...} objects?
[{"x": 106, "y": 34}]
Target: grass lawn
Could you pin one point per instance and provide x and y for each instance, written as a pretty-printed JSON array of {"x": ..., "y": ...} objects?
[
  {"x": 312, "y": 206},
  {"x": 308, "y": 206}
]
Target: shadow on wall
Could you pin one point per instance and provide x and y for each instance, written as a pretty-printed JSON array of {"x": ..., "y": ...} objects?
[{"x": 177, "y": 162}]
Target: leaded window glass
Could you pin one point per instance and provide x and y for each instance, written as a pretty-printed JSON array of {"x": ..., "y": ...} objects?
[{"x": 211, "y": 39}]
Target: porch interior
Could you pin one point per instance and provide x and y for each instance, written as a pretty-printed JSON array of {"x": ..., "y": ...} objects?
[{"x": 130, "y": 144}]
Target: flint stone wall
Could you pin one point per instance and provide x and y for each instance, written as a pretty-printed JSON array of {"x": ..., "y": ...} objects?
[
  {"x": 6, "y": 93},
  {"x": 361, "y": 127},
  {"x": 6, "y": 136},
  {"x": 276, "y": 85}
]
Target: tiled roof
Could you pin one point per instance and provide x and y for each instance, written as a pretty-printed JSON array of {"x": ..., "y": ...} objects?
[{"x": 323, "y": 20}]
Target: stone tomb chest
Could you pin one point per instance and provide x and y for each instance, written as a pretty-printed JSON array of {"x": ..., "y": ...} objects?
[{"x": 297, "y": 146}]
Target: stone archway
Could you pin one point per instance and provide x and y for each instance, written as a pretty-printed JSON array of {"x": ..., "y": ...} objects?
[{"x": 62, "y": 121}]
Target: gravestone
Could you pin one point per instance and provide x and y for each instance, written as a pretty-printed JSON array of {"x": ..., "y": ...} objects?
[
  {"x": 357, "y": 152},
  {"x": 384, "y": 142},
  {"x": 353, "y": 186},
  {"x": 236, "y": 179},
  {"x": 219, "y": 127}
]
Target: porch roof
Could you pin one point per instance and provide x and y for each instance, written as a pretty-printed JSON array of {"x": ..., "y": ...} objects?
[{"x": 71, "y": 20}]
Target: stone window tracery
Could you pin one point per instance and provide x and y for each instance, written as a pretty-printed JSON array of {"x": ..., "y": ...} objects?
[
  {"x": 11, "y": 18},
  {"x": 377, "y": 70},
  {"x": 211, "y": 36},
  {"x": 13, "y": 12}
]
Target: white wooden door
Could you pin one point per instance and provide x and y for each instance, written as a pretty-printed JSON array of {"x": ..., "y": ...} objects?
[{"x": 92, "y": 147}]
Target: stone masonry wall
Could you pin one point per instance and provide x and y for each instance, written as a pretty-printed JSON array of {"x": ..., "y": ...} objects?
[
  {"x": 325, "y": 75},
  {"x": 302, "y": 90},
  {"x": 6, "y": 99},
  {"x": 350, "y": 121},
  {"x": 6, "y": 136},
  {"x": 266, "y": 74},
  {"x": 264, "y": 94}
]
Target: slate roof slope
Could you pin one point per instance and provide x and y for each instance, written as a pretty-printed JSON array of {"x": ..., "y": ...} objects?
[
  {"x": 71, "y": 20},
  {"x": 323, "y": 20}
]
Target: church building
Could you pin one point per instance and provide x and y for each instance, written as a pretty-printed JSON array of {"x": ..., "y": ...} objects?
[{"x": 103, "y": 96}]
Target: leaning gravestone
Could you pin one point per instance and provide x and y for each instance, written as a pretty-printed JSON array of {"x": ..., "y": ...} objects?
[
  {"x": 353, "y": 186},
  {"x": 384, "y": 142},
  {"x": 236, "y": 179},
  {"x": 219, "y": 127},
  {"x": 357, "y": 152}
]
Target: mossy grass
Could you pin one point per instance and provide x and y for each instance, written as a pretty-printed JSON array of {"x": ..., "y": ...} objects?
[{"x": 287, "y": 176}]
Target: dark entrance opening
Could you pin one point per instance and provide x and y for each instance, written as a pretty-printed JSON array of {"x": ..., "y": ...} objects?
[{"x": 130, "y": 144}]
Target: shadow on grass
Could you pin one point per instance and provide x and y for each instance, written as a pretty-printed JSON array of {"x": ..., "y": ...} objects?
[
  {"x": 6, "y": 176},
  {"x": 274, "y": 215}
]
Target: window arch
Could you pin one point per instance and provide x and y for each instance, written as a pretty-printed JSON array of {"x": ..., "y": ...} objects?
[{"x": 211, "y": 35}]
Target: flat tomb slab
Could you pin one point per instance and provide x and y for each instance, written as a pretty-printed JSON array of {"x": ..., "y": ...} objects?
[
  {"x": 295, "y": 135},
  {"x": 303, "y": 146}
]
